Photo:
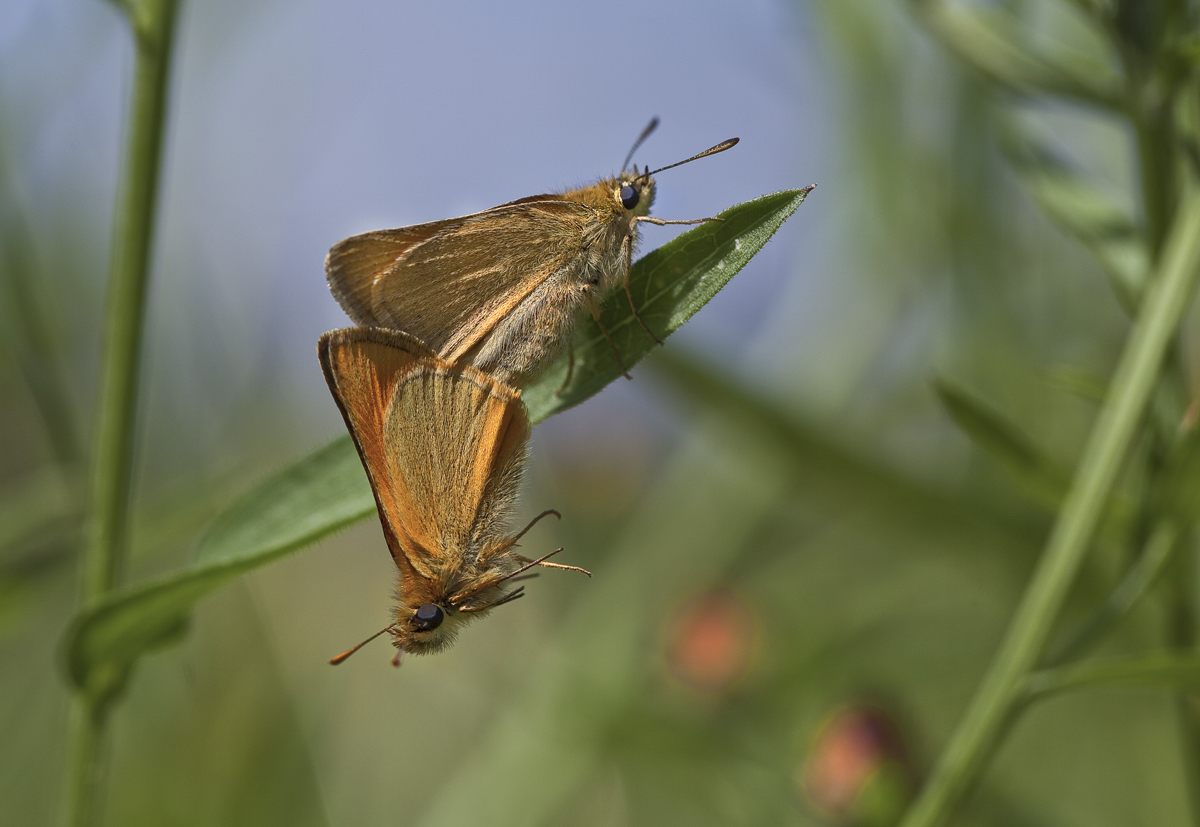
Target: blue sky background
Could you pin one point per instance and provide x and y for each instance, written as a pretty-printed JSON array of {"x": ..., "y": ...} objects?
[{"x": 293, "y": 125}]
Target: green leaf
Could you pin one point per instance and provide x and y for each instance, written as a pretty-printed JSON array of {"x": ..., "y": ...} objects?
[
  {"x": 1080, "y": 383},
  {"x": 328, "y": 489},
  {"x": 1161, "y": 671},
  {"x": 668, "y": 285},
  {"x": 311, "y": 499},
  {"x": 1035, "y": 474},
  {"x": 987, "y": 40},
  {"x": 1081, "y": 209}
]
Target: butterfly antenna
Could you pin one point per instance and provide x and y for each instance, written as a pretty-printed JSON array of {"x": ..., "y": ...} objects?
[
  {"x": 721, "y": 147},
  {"x": 349, "y": 652},
  {"x": 650, "y": 127}
]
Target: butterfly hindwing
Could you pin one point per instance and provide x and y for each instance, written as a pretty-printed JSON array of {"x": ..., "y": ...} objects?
[{"x": 443, "y": 447}]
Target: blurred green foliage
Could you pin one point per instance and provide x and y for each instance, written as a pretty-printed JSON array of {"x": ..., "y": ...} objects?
[{"x": 1009, "y": 177}]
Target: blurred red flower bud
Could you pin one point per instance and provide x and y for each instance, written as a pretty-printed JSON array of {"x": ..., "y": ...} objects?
[
  {"x": 857, "y": 771},
  {"x": 710, "y": 639}
]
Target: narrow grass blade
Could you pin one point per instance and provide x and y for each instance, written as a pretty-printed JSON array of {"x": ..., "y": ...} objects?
[
  {"x": 1140, "y": 576},
  {"x": 988, "y": 41},
  {"x": 1035, "y": 474},
  {"x": 1079, "y": 207},
  {"x": 1162, "y": 671},
  {"x": 845, "y": 475}
]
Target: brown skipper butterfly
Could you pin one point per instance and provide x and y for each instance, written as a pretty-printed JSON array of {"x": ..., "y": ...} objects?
[
  {"x": 501, "y": 288},
  {"x": 443, "y": 446}
]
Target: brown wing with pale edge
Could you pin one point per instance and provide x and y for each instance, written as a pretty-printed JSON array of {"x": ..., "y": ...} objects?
[
  {"x": 450, "y": 283},
  {"x": 363, "y": 367},
  {"x": 354, "y": 263},
  {"x": 456, "y": 438}
]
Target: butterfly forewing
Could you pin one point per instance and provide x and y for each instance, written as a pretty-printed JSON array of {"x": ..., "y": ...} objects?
[
  {"x": 456, "y": 471},
  {"x": 496, "y": 272},
  {"x": 354, "y": 264}
]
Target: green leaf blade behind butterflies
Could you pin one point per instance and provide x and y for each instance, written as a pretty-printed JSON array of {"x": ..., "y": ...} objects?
[
  {"x": 668, "y": 285},
  {"x": 309, "y": 500},
  {"x": 328, "y": 490}
]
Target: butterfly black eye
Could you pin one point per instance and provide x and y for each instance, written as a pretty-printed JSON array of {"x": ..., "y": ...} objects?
[
  {"x": 428, "y": 617},
  {"x": 629, "y": 197}
]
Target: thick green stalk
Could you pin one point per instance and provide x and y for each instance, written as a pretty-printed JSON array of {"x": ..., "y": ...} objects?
[
  {"x": 1108, "y": 444},
  {"x": 112, "y": 460},
  {"x": 1165, "y": 115},
  {"x": 84, "y": 766}
]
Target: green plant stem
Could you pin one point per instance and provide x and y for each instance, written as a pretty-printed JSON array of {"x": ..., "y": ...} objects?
[
  {"x": 84, "y": 766},
  {"x": 1155, "y": 143},
  {"x": 112, "y": 459},
  {"x": 1163, "y": 110},
  {"x": 981, "y": 728},
  {"x": 1153, "y": 671}
]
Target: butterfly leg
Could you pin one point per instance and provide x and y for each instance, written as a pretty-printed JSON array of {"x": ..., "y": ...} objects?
[
  {"x": 570, "y": 367},
  {"x": 543, "y": 562},
  {"x": 627, "y": 249},
  {"x": 660, "y": 221},
  {"x": 595, "y": 309}
]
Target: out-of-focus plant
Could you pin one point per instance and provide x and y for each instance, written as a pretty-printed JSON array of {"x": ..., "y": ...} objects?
[
  {"x": 858, "y": 771},
  {"x": 1140, "y": 73},
  {"x": 778, "y": 564},
  {"x": 107, "y": 520}
]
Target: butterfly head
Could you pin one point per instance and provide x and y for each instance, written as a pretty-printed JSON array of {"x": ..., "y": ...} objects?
[
  {"x": 427, "y": 628},
  {"x": 431, "y": 622},
  {"x": 633, "y": 193}
]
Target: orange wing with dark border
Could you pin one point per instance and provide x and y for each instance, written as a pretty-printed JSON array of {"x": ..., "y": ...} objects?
[
  {"x": 443, "y": 449},
  {"x": 363, "y": 367}
]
